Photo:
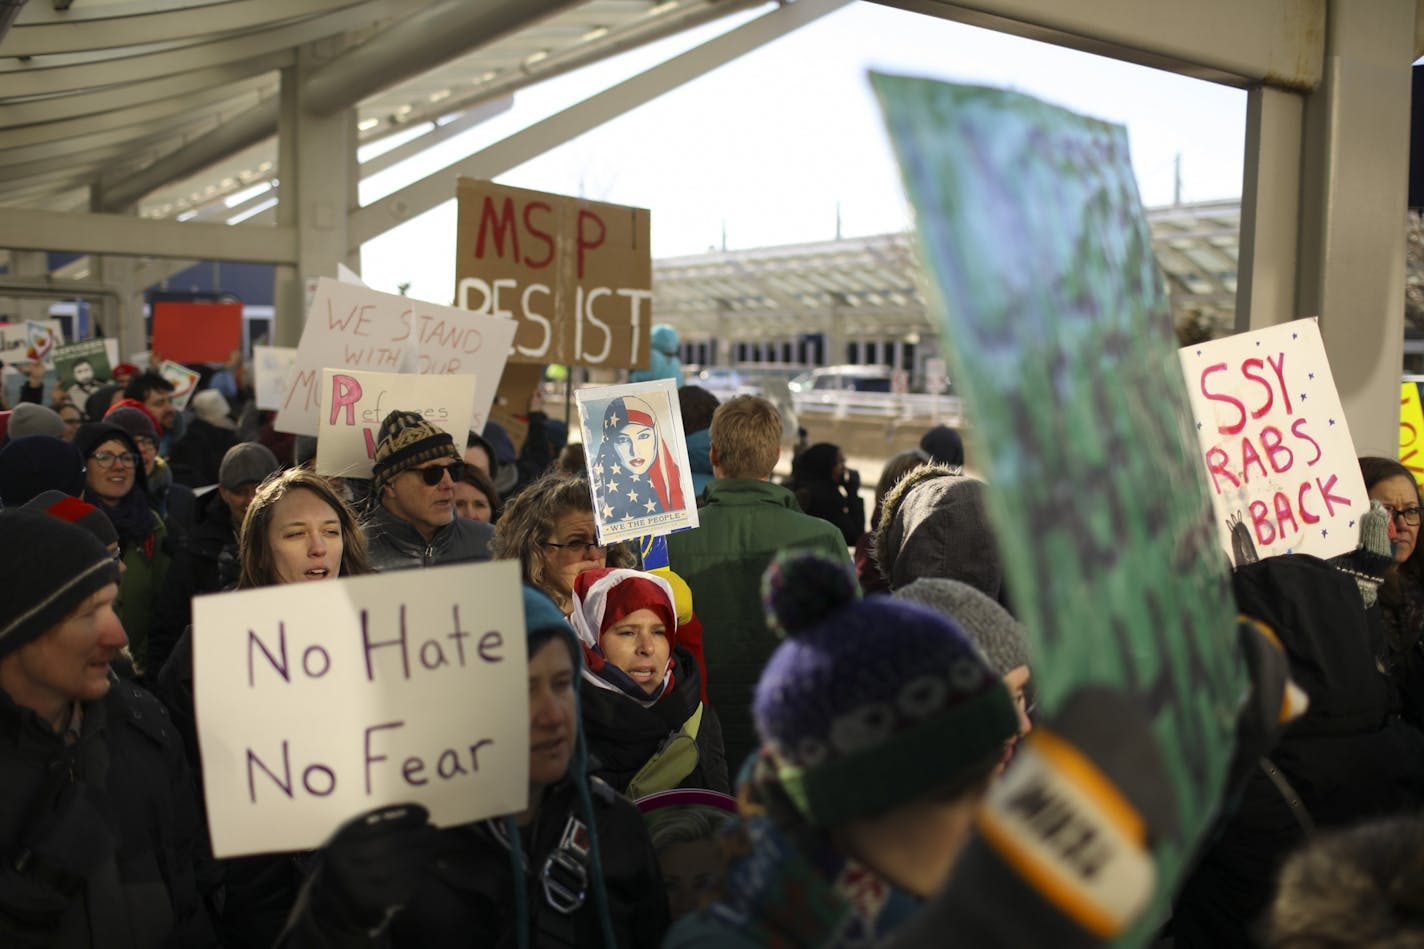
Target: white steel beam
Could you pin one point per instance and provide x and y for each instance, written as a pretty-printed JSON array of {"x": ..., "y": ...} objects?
[
  {"x": 55, "y": 108},
  {"x": 419, "y": 197},
  {"x": 133, "y": 28},
  {"x": 1276, "y": 42},
  {"x": 23, "y": 229},
  {"x": 1354, "y": 183},
  {"x": 417, "y": 45},
  {"x": 440, "y": 133},
  {"x": 48, "y": 75}
]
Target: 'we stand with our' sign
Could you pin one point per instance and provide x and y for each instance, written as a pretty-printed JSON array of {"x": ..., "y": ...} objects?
[{"x": 1275, "y": 443}]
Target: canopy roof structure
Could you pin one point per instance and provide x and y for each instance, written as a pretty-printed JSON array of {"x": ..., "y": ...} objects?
[{"x": 870, "y": 286}]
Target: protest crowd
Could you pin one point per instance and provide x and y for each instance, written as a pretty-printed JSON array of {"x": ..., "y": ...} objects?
[
  {"x": 840, "y": 710},
  {"x": 1066, "y": 679}
]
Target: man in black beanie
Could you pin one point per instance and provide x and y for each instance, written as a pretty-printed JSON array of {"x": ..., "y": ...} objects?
[
  {"x": 97, "y": 819},
  {"x": 413, "y": 522}
]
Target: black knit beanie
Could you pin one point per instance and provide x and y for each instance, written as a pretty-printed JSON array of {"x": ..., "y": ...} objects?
[
  {"x": 404, "y": 441},
  {"x": 40, "y": 591}
]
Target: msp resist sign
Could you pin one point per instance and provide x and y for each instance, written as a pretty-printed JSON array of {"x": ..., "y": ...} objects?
[
  {"x": 1275, "y": 443},
  {"x": 577, "y": 276},
  {"x": 318, "y": 701}
]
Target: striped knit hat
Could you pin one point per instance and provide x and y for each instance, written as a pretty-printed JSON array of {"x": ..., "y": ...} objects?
[
  {"x": 47, "y": 569},
  {"x": 404, "y": 441}
]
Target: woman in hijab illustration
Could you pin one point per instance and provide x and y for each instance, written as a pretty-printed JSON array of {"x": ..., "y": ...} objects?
[{"x": 636, "y": 475}]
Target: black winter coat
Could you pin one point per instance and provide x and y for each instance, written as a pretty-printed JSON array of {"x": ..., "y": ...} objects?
[
  {"x": 622, "y": 735},
  {"x": 99, "y": 839},
  {"x": 1347, "y": 757},
  {"x": 468, "y": 901},
  {"x": 211, "y": 566},
  {"x": 197, "y": 456}
]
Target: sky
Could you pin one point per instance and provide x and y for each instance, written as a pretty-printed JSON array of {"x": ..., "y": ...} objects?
[{"x": 765, "y": 149}]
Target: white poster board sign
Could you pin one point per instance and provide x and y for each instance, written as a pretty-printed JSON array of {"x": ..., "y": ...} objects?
[
  {"x": 637, "y": 459},
  {"x": 16, "y": 340},
  {"x": 356, "y": 402},
  {"x": 1273, "y": 437},
  {"x": 271, "y": 370},
  {"x": 318, "y": 701},
  {"x": 355, "y": 327},
  {"x": 184, "y": 381}
]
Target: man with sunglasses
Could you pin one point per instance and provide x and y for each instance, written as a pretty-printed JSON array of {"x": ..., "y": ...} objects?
[{"x": 412, "y": 521}]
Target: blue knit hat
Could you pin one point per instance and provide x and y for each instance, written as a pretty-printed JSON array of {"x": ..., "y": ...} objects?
[
  {"x": 37, "y": 463},
  {"x": 870, "y": 704}
]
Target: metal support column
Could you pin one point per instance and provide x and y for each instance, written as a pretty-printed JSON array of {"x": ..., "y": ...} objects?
[
  {"x": 1270, "y": 209},
  {"x": 319, "y": 174},
  {"x": 1354, "y": 177}
]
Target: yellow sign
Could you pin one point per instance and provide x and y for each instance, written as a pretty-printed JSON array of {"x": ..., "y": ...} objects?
[{"x": 1411, "y": 431}]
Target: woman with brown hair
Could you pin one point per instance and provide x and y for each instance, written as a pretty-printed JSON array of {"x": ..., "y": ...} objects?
[
  {"x": 550, "y": 529},
  {"x": 1401, "y": 596},
  {"x": 297, "y": 530}
]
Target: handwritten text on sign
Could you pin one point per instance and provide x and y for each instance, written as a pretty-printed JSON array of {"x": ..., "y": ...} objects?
[
  {"x": 356, "y": 402},
  {"x": 355, "y": 327},
  {"x": 575, "y": 275},
  {"x": 1274, "y": 440},
  {"x": 1411, "y": 431},
  {"x": 318, "y": 701}
]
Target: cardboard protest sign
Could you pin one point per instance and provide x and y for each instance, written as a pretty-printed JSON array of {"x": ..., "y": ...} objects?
[
  {"x": 576, "y": 276},
  {"x": 41, "y": 340},
  {"x": 271, "y": 372},
  {"x": 317, "y": 701},
  {"x": 1274, "y": 443},
  {"x": 637, "y": 459},
  {"x": 1059, "y": 336},
  {"x": 83, "y": 367},
  {"x": 15, "y": 338},
  {"x": 185, "y": 381},
  {"x": 196, "y": 332},
  {"x": 356, "y": 402},
  {"x": 1411, "y": 431},
  {"x": 354, "y": 327}
]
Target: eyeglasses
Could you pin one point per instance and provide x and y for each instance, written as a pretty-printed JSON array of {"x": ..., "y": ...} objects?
[
  {"x": 108, "y": 459},
  {"x": 1409, "y": 515},
  {"x": 576, "y": 547},
  {"x": 436, "y": 473}
]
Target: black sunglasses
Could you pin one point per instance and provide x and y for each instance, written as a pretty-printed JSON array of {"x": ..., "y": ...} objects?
[{"x": 433, "y": 475}]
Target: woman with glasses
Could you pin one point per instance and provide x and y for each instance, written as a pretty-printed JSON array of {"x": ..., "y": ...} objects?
[
  {"x": 1401, "y": 597},
  {"x": 549, "y": 528},
  {"x": 114, "y": 483}
]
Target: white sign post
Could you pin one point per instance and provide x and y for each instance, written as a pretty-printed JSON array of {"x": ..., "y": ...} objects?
[
  {"x": 318, "y": 701},
  {"x": 355, "y": 327},
  {"x": 1277, "y": 449},
  {"x": 356, "y": 402}
]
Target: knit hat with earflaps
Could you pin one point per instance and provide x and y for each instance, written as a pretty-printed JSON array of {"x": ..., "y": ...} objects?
[
  {"x": 998, "y": 635},
  {"x": 870, "y": 704},
  {"x": 933, "y": 524},
  {"x": 40, "y": 591},
  {"x": 405, "y": 440}
]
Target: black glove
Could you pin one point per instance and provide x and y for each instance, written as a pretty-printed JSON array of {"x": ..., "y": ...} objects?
[
  {"x": 1062, "y": 852},
  {"x": 374, "y": 863},
  {"x": 851, "y": 481}
]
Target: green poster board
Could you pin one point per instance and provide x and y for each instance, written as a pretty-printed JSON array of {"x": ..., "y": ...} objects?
[{"x": 1057, "y": 328}]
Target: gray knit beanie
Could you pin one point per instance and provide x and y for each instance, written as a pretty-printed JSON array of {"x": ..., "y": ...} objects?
[
  {"x": 998, "y": 635},
  {"x": 933, "y": 524}
]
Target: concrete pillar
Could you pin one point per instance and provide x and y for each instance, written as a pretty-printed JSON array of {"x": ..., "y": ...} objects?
[
  {"x": 121, "y": 317},
  {"x": 1270, "y": 209},
  {"x": 30, "y": 263},
  {"x": 316, "y": 164},
  {"x": 1354, "y": 181}
]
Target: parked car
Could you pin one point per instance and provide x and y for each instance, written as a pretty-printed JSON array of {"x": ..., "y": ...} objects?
[{"x": 847, "y": 378}]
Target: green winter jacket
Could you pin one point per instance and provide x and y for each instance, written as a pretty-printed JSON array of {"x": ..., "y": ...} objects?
[
  {"x": 139, "y": 590},
  {"x": 743, "y": 524}
]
